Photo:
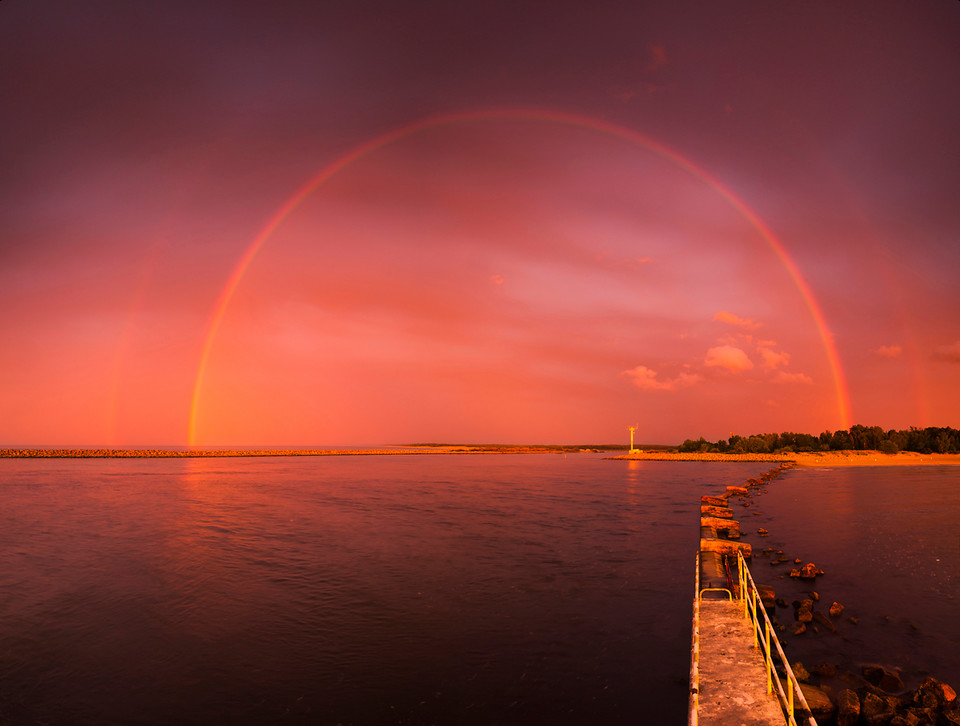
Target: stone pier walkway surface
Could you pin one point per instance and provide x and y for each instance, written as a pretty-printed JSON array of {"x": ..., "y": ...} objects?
[{"x": 733, "y": 679}]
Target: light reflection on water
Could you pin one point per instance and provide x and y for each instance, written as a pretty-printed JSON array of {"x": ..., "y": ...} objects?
[{"x": 427, "y": 589}]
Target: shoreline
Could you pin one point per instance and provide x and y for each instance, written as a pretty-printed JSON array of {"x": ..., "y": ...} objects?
[
  {"x": 67, "y": 453},
  {"x": 810, "y": 459},
  {"x": 822, "y": 459}
]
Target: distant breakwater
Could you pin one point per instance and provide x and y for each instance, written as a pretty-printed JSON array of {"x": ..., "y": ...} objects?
[{"x": 189, "y": 453}]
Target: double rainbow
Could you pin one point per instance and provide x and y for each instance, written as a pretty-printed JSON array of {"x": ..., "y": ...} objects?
[{"x": 543, "y": 116}]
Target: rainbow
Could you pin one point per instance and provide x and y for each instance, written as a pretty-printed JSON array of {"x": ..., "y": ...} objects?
[{"x": 538, "y": 115}]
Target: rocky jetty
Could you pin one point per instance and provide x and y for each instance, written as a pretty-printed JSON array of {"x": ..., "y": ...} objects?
[{"x": 877, "y": 695}]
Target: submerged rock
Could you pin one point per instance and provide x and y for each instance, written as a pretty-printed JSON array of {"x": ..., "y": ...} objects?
[
  {"x": 836, "y": 610},
  {"x": 824, "y": 670},
  {"x": 884, "y": 679},
  {"x": 802, "y": 674},
  {"x": 825, "y": 622}
]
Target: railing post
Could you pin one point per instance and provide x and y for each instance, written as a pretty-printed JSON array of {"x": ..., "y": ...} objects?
[{"x": 768, "y": 658}]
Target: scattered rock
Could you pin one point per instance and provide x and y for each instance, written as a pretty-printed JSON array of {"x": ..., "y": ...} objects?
[
  {"x": 818, "y": 701},
  {"x": 809, "y": 571},
  {"x": 825, "y": 622},
  {"x": 762, "y": 532},
  {"x": 853, "y": 620},
  {"x": 836, "y": 610},
  {"x": 884, "y": 679},
  {"x": 815, "y": 596},
  {"x": 767, "y": 596},
  {"x": 824, "y": 670},
  {"x": 949, "y": 696},
  {"x": 797, "y": 561},
  {"x": 802, "y": 674},
  {"x": 905, "y": 719},
  {"x": 925, "y": 716},
  {"x": 799, "y": 629},
  {"x": 804, "y": 615},
  {"x": 931, "y": 694},
  {"x": 848, "y": 708},
  {"x": 949, "y": 718},
  {"x": 876, "y": 711},
  {"x": 856, "y": 682},
  {"x": 781, "y": 602}
]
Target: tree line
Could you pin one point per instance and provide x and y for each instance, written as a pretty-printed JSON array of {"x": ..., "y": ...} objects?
[{"x": 930, "y": 440}]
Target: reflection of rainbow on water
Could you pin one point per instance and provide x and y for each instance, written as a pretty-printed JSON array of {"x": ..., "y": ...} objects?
[{"x": 543, "y": 116}]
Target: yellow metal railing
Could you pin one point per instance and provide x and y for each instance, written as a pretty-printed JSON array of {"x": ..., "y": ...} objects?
[
  {"x": 692, "y": 716},
  {"x": 753, "y": 609}
]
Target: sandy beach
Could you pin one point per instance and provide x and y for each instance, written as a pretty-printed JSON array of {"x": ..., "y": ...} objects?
[
  {"x": 873, "y": 458},
  {"x": 815, "y": 458}
]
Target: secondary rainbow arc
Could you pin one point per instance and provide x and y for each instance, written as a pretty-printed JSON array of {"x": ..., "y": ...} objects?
[{"x": 538, "y": 115}]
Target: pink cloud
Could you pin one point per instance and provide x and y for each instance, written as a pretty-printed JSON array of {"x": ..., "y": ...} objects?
[
  {"x": 656, "y": 56},
  {"x": 784, "y": 377},
  {"x": 727, "y": 317},
  {"x": 729, "y": 357},
  {"x": 646, "y": 379},
  {"x": 772, "y": 359},
  {"x": 949, "y": 353},
  {"x": 889, "y": 351}
]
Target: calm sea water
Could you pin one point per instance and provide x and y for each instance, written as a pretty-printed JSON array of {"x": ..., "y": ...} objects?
[
  {"x": 888, "y": 539},
  {"x": 404, "y": 590}
]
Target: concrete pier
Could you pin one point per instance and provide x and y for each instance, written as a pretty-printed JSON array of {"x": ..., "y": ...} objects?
[
  {"x": 729, "y": 685},
  {"x": 732, "y": 677}
]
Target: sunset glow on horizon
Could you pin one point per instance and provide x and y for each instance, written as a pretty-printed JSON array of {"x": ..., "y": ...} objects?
[{"x": 286, "y": 227}]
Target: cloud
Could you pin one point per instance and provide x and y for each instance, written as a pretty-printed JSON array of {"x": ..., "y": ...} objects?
[
  {"x": 772, "y": 359},
  {"x": 949, "y": 353},
  {"x": 646, "y": 379},
  {"x": 784, "y": 377},
  {"x": 889, "y": 351},
  {"x": 726, "y": 356},
  {"x": 656, "y": 56},
  {"x": 726, "y": 317}
]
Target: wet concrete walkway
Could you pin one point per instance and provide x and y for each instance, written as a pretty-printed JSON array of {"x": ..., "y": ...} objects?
[{"x": 732, "y": 680}]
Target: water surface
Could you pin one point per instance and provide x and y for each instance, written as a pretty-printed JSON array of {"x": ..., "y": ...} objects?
[{"x": 424, "y": 589}]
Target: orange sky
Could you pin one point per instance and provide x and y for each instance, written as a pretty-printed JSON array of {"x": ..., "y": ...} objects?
[{"x": 646, "y": 216}]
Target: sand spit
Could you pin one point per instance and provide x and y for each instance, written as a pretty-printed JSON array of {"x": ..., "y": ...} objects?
[
  {"x": 191, "y": 454},
  {"x": 667, "y": 456},
  {"x": 873, "y": 458},
  {"x": 815, "y": 458}
]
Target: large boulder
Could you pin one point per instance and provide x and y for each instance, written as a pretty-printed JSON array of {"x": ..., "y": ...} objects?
[
  {"x": 931, "y": 694},
  {"x": 767, "y": 596},
  {"x": 876, "y": 711},
  {"x": 884, "y": 679},
  {"x": 817, "y": 699},
  {"x": 713, "y": 501},
  {"x": 848, "y": 708},
  {"x": 906, "y": 718},
  {"x": 802, "y": 674}
]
